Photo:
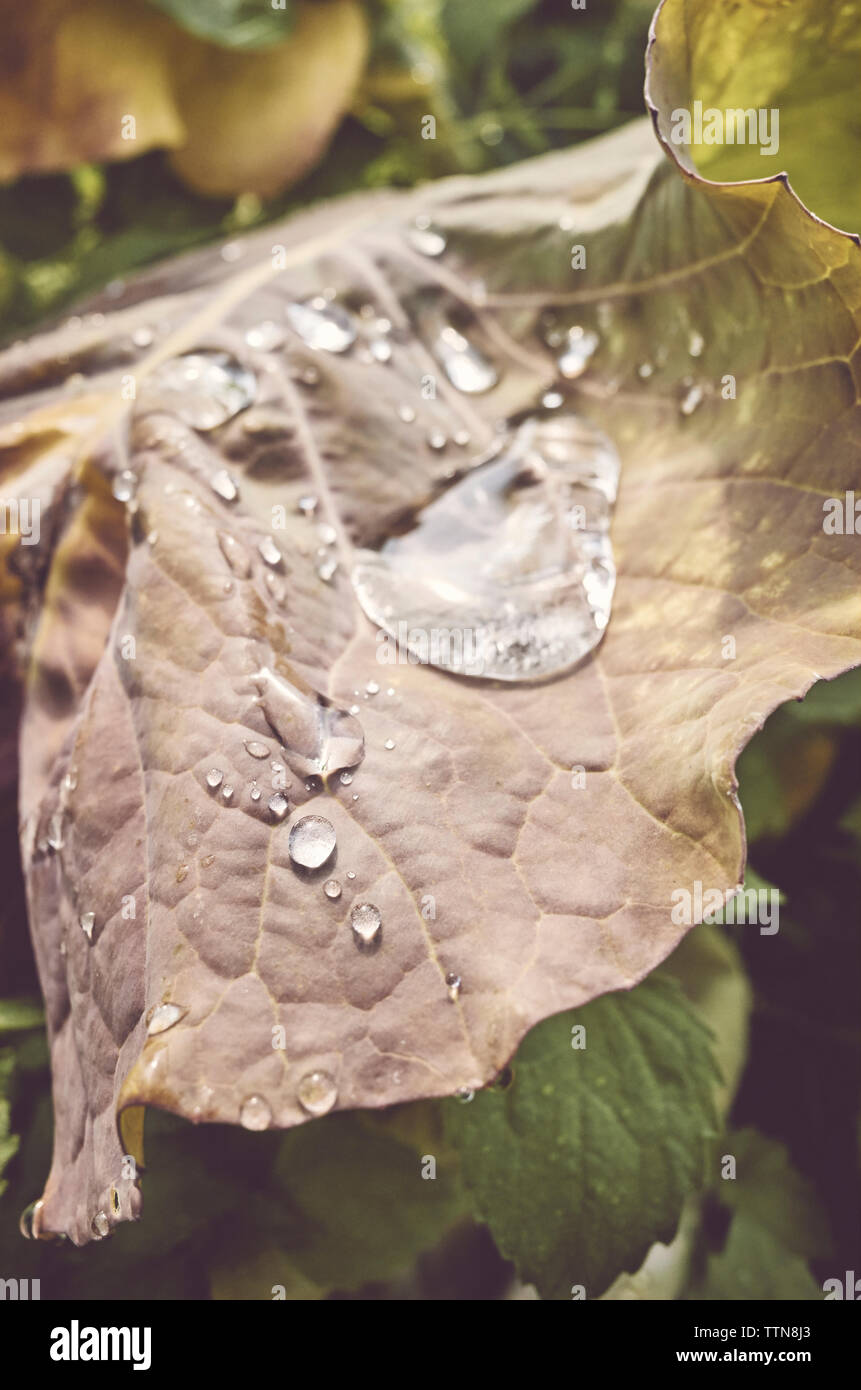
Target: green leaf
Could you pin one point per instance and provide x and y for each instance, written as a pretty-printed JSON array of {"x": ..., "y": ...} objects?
[
  {"x": 831, "y": 702},
  {"x": 8, "y": 1141},
  {"x": 754, "y": 1265},
  {"x": 798, "y": 65},
  {"x": 472, "y": 41},
  {"x": 777, "y": 1223},
  {"x": 586, "y": 1159},
  {"x": 357, "y": 1184},
  {"x": 245, "y": 24},
  {"x": 769, "y": 1190},
  {"x": 19, "y": 1014}
]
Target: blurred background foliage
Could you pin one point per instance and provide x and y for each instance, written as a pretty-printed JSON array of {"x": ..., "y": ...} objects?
[
  {"x": 79, "y": 208},
  {"x": 332, "y": 92}
]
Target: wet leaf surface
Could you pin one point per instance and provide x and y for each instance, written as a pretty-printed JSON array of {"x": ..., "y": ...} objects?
[{"x": 522, "y": 839}]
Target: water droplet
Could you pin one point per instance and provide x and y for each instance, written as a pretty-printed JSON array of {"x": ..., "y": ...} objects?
[
  {"x": 54, "y": 837},
  {"x": 512, "y": 563},
  {"x": 406, "y": 413},
  {"x": 311, "y": 842},
  {"x": 225, "y": 485},
  {"x": 466, "y": 368},
  {"x": 307, "y": 505},
  {"x": 328, "y": 535},
  {"x": 696, "y": 343},
  {"x": 551, "y": 400},
  {"x": 255, "y": 749},
  {"x": 266, "y": 336},
  {"x": 437, "y": 439},
  {"x": 346, "y": 778},
  {"x": 88, "y": 921},
  {"x": 322, "y": 325},
  {"x": 214, "y": 777},
  {"x": 691, "y": 400},
  {"x": 389, "y": 743},
  {"x": 351, "y": 874},
  {"x": 380, "y": 349},
  {"x": 231, "y": 251},
  {"x": 227, "y": 792},
  {"x": 332, "y": 888},
  {"x": 164, "y": 1016},
  {"x": 143, "y": 337},
  {"x": 461, "y": 438},
  {"x": 279, "y": 806},
  {"x": 317, "y": 1093},
  {"x": 326, "y": 570},
  {"x": 204, "y": 389},
  {"x": 70, "y": 781},
  {"x": 453, "y": 982},
  {"x": 372, "y": 688},
  {"x": 255, "y": 1113},
  {"x": 579, "y": 349},
  {"x": 124, "y": 485},
  {"x": 182, "y": 873},
  {"x": 30, "y": 1220},
  {"x": 101, "y": 1225},
  {"x": 366, "y": 922},
  {"x": 464, "y": 1094},
  {"x": 645, "y": 370},
  {"x": 275, "y": 585},
  {"x": 270, "y": 552},
  {"x": 255, "y": 793},
  {"x": 235, "y": 554},
  {"x": 424, "y": 238}
]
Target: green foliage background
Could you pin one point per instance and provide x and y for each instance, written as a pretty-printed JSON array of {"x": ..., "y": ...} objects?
[{"x": 573, "y": 1164}]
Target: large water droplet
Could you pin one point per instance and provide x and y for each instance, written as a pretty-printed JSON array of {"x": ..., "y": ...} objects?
[
  {"x": 322, "y": 325},
  {"x": 164, "y": 1016},
  {"x": 214, "y": 777},
  {"x": 332, "y": 888},
  {"x": 366, "y": 922},
  {"x": 317, "y": 1093},
  {"x": 509, "y": 574},
  {"x": 255, "y": 749},
  {"x": 255, "y": 1113},
  {"x": 101, "y": 1225},
  {"x": 579, "y": 348},
  {"x": 466, "y": 368},
  {"x": 203, "y": 388},
  {"x": 311, "y": 842},
  {"x": 318, "y": 737}
]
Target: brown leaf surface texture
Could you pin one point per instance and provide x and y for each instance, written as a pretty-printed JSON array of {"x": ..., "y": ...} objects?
[{"x": 142, "y": 632}]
